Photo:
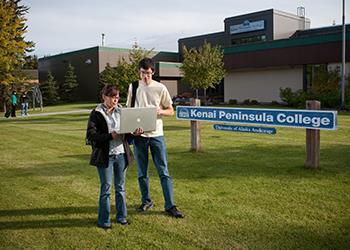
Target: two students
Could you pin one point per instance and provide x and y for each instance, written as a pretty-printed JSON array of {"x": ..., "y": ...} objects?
[{"x": 111, "y": 153}]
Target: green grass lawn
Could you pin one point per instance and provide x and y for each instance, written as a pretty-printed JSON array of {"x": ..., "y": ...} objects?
[{"x": 243, "y": 191}]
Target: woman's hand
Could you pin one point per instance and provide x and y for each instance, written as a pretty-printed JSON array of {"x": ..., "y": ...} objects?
[
  {"x": 138, "y": 132},
  {"x": 114, "y": 135}
]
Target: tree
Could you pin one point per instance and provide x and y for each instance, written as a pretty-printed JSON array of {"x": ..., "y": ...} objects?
[
  {"x": 203, "y": 67},
  {"x": 126, "y": 71},
  {"x": 49, "y": 90},
  {"x": 31, "y": 62},
  {"x": 107, "y": 76},
  {"x": 69, "y": 85},
  {"x": 125, "y": 75},
  {"x": 136, "y": 54},
  {"x": 12, "y": 44}
]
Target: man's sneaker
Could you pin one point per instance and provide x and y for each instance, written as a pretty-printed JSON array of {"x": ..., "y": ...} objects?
[
  {"x": 124, "y": 222},
  {"x": 105, "y": 227},
  {"x": 174, "y": 212},
  {"x": 145, "y": 206}
]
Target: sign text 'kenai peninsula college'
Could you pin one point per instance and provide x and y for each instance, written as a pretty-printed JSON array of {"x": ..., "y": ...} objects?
[{"x": 311, "y": 119}]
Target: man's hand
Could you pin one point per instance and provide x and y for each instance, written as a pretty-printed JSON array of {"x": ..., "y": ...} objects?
[{"x": 138, "y": 132}]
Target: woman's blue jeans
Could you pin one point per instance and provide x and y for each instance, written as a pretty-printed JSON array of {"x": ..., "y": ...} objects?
[
  {"x": 117, "y": 166},
  {"x": 24, "y": 108},
  {"x": 160, "y": 160}
]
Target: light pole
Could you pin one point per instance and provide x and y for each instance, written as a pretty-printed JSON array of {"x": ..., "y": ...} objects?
[
  {"x": 342, "y": 104},
  {"x": 103, "y": 39}
]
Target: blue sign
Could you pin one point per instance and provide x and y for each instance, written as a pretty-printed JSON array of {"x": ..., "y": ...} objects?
[
  {"x": 311, "y": 119},
  {"x": 249, "y": 129},
  {"x": 247, "y": 26}
]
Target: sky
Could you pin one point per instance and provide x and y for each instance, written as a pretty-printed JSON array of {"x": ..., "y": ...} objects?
[{"x": 67, "y": 25}]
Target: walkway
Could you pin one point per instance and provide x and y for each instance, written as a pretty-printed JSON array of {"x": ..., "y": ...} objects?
[{"x": 54, "y": 113}]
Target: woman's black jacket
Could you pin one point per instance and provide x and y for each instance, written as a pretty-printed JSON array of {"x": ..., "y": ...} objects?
[{"x": 98, "y": 137}]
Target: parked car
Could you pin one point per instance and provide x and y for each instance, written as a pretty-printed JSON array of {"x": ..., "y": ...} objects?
[
  {"x": 178, "y": 100},
  {"x": 182, "y": 99},
  {"x": 216, "y": 99}
]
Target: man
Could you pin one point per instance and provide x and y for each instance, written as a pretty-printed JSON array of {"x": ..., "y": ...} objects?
[{"x": 150, "y": 93}]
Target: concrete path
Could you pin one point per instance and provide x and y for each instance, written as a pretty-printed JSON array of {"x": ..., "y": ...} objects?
[{"x": 52, "y": 113}]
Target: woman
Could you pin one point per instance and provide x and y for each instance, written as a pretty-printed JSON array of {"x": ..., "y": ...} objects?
[
  {"x": 13, "y": 101},
  {"x": 110, "y": 154},
  {"x": 24, "y": 104}
]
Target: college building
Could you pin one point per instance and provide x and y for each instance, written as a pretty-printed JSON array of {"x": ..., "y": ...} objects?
[
  {"x": 263, "y": 52},
  {"x": 89, "y": 63}
]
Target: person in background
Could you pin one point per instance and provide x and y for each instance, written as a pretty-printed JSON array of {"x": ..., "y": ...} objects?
[
  {"x": 150, "y": 93},
  {"x": 13, "y": 101},
  {"x": 111, "y": 155},
  {"x": 24, "y": 104}
]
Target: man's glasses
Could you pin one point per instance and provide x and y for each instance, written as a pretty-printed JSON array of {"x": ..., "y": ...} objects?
[
  {"x": 114, "y": 97},
  {"x": 147, "y": 73}
]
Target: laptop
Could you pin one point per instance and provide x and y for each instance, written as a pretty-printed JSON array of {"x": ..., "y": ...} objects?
[{"x": 133, "y": 118}]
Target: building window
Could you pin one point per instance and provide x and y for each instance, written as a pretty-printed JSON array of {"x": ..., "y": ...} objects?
[{"x": 250, "y": 39}]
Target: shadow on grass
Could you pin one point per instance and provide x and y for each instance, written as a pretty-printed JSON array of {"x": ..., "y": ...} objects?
[
  {"x": 60, "y": 211},
  {"x": 49, "y": 211},
  {"x": 54, "y": 119},
  {"x": 40, "y": 224},
  {"x": 48, "y": 223}
]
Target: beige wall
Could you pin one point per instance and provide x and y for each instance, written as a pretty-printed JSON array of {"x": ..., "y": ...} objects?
[
  {"x": 171, "y": 86},
  {"x": 285, "y": 24},
  {"x": 111, "y": 57},
  {"x": 262, "y": 85},
  {"x": 169, "y": 69}
]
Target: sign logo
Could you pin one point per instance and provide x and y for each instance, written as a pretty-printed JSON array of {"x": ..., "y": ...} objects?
[{"x": 183, "y": 113}]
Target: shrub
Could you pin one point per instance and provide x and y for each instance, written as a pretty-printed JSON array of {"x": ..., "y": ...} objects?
[
  {"x": 232, "y": 101},
  {"x": 246, "y": 102},
  {"x": 254, "y": 102},
  {"x": 294, "y": 99}
]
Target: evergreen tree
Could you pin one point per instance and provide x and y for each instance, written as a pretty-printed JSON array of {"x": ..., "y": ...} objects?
[
  {"x": 69, "y": 85},
  {"x": 49, "y": 90},
  {"x": 31, "y": 62},
  {"x": 203, "y": 67},
  {"x": 107, "y": 76},
  {"x": 12, "y": 44}
]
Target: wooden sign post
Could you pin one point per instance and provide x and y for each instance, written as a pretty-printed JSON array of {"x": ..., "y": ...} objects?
[
  {"x": 313, "y": 140},
  {"x": 195, "y": 130}
]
